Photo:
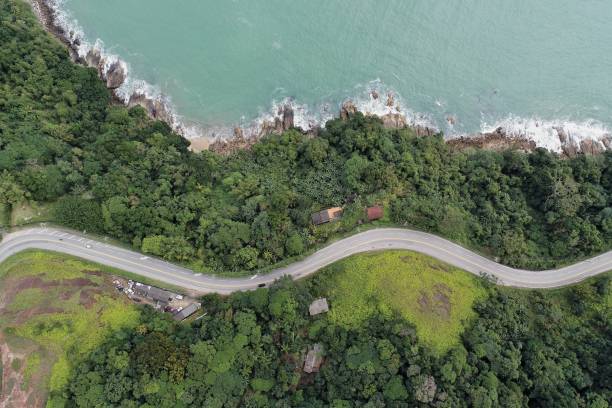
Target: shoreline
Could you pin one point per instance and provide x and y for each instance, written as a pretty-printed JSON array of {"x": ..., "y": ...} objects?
[{"x": 565, "y": 139}]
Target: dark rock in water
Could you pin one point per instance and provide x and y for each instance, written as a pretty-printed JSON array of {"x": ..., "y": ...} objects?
[
  {"x": 348, "y": 109},
  {"x": 93, "y": 58},
  {"x": 374, "y": 94},
  {"x": 115, "y": 75},
  {"x": 288, "y": 117},
  {"x": 607, "y": 141},
  {"x": 390, "y": 100},
  {"x": 563, "y": 136}
]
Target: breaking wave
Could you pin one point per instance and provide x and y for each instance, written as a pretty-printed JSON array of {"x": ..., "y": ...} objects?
[
  {"x": 373, "y": 98},
  {"x": 549, "y": 133}
]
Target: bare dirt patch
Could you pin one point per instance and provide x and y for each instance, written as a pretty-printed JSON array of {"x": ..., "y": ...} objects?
[
  {"x": 12, "y": 394},
  {"x": 87, "y": 297},
  {"x": 32, "y": 282},
  {"x": 26, "y": 315},
  {"x": 440, "y": 266},
  {"x": 436, "y": 303}
]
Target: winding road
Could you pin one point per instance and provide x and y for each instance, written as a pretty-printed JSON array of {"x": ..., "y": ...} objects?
[{"x": 70, "y": 242}]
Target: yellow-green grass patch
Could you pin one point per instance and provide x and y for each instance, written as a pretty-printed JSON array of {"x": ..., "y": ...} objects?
[
  {"x": 31, "y": 212},
  {"x": 436, "y": 297}
]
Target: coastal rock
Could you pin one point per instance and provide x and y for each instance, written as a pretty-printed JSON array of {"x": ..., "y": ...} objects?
[
  {"x": 115, "y": 75},
  {"x": 390, "y": 100},
  {"x": 238, "y": 133},
  {"x": 496, "y": 140},
  {"x": 93, "y": 58},
  {"x": 348, "y": 109},
  {"x": 606, "y": 140},
  {"x": 155, "y": 108},
  {"x": 288, "y": 117},
  {"x": 590, "y": 147},
  {"x": 394, "y": 121},
  {"x": 423, "y": 131}
]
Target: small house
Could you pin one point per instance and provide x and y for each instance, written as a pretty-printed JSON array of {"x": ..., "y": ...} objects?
[
  {"x": 375, "y": 213},
  {"x": 151, "y": 292},
  {"x": 314, "y": 359},
  {"x": 325, "y": 216},
  {"x": 318, "y": 306},
  {"x": 186, "y": 312}
]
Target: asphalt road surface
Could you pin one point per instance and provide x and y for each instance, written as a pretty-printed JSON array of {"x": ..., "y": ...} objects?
[{"x": 70, "y": 242}]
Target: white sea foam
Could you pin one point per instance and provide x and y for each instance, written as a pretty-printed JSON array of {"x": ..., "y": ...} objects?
[
  {"x": 545, "y": 133},
  {"x": 371, "y": 99},
  {"x": 75, "y": 34}
]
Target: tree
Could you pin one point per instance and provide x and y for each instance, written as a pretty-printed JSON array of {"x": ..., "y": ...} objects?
[
  {"x": 79, "y": 213},
  {"x": 11, "y": 193}
]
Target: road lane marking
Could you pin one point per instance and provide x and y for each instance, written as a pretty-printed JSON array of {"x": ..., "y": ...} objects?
[{"x": 316, "y": 261}]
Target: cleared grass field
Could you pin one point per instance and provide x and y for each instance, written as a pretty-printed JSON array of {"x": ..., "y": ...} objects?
[
  {"x": 435, "y": 297},
  {"x": 54, "y": 310},
  {"x": 31, "y": 212}
]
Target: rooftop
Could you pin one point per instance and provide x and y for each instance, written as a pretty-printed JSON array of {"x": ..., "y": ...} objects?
[
  {"x": 314, "y": 358},
  {"x": 328, "y": 215},
  {"x": 318, "y": 306},
  {"x": 188, "y": 311}
]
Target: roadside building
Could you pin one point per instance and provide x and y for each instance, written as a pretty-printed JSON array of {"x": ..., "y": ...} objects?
[
  {"x": 153, "y": 293},
  {"x": 318, "y": 306},
  {"x": 375, "y": 213},
  {"x": 322, "y": 217},
  {"x": 314, "y": 359},
  {"x": 186, "y": 312}
]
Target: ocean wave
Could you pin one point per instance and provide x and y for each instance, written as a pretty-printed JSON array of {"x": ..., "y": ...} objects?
[
  {"x": 549, "y": 133},
  {"x": 372, "y": 98}
]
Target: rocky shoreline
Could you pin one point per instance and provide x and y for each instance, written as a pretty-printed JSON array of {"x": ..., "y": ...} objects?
[{"x": 114, "y": 73}]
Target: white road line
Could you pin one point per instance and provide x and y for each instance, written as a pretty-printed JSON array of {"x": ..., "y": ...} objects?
[{"x": 371, "y": 240}]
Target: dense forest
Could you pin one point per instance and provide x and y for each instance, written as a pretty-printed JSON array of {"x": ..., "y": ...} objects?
[
  {"x": 114, "y": 171},
  {"x": 525, "y": 348}
]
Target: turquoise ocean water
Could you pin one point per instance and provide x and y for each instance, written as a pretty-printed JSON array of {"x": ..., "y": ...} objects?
[{"x": 526, "y": 65}]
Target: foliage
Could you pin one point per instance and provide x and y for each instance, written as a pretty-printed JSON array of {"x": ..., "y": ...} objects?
[
  {"x": 78, "y": 213},
  {"x": 434, "y": 296},
  {"x": 520, "y": 348},
  {"x": 59, "y": 135}
]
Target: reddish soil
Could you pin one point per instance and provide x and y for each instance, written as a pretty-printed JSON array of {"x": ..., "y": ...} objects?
[
  {"x": 87, "y": 297},
  {"x": 11, "y": 393},
  {"x": 38, "y": 283}
]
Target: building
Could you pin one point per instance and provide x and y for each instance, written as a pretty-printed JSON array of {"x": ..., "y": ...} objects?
[
  {"x": 186, "y": 312},
  {"x": 318, "y": 306},
  {"x": 151, "y": 292},
  {"x": 322, "y": 217},
  {"x": 375, "y": 213},
  {"x": 314, "y": 359}
]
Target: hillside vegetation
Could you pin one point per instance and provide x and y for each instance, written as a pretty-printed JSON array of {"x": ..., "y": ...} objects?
[
  {"x": 64, "y": 331},
  {"x": 437, "y": 298},
  {"x": 113, "y": 170},
  {"x": 499, "y": 347}
]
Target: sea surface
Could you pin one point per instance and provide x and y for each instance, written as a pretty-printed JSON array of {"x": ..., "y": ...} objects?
[{"x": 462, "y": 66}]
